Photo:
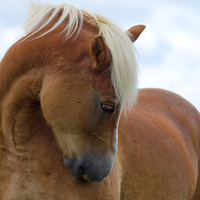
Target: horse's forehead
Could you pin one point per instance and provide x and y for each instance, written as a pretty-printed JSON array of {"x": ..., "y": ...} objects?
[{"x": 80, "y": 41}]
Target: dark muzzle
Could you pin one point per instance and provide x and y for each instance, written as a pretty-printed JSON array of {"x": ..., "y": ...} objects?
[{"x": 94, "y": 167}]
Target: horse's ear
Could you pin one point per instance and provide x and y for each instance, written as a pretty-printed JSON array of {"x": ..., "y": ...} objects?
[
  {"x": 99, "y": 51},
  {"x": 135, "y": 31}
]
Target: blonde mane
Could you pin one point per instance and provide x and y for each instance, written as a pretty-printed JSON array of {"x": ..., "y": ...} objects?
[{"x": 123, "y": 66}]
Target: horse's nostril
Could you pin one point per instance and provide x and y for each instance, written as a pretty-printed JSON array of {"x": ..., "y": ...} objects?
[
  {"x": 76, "y": 166},
  {"x": 69, "y": 162}
]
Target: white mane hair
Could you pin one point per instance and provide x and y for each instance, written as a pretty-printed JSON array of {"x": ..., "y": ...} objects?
[{"x": 123, "y": 66}]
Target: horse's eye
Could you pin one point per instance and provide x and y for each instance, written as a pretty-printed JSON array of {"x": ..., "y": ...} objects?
[{"x": 108, "y": 108}]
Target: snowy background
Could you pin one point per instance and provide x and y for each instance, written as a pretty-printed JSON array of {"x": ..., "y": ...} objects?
[{"x": 168, "y": 49}]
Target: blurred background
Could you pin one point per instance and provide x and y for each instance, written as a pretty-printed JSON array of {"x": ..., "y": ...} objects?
[{"x": 168, "y": 51}]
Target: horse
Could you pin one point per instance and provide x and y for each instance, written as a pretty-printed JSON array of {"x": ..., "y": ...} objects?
[{"x": 74, "y": 124}]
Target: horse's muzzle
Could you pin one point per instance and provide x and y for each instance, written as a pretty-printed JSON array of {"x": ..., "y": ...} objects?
[{"x": 91, "y": 168}]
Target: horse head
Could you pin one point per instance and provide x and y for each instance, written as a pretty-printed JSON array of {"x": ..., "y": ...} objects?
[
  {"x": 81, "y": 106},
  {"x": 81, "y": 91}
]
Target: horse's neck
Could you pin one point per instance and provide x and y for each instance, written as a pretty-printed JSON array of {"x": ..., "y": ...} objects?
[
  {"x": 29, "y": 152},
  {"x": 25, "y": 135}
]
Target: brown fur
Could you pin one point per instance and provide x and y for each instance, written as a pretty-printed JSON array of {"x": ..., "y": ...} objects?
[{"x": 50, "y": 89}]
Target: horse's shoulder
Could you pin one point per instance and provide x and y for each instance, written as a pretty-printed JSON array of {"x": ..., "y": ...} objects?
[
  {"x": 163, "y": 111},
  {"x": 161, "y": 135},
  {"x": 164, "y": 100}
]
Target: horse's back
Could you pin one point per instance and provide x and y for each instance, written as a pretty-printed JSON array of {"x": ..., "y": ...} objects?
[{"x": 159, "y": 147}]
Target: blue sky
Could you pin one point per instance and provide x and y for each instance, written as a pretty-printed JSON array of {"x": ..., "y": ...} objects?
[{"x": 168, "y": 50}]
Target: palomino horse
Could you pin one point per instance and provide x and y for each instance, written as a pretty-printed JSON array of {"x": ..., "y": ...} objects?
[{"x": 63, "y": 86}]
